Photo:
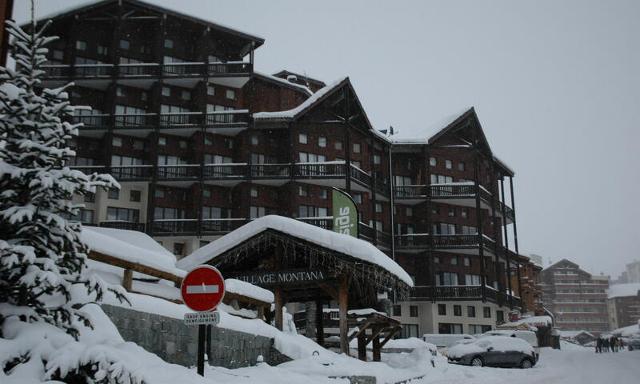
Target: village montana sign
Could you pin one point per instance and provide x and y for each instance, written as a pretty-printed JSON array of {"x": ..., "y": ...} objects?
[{"x": 269, "y": 278}]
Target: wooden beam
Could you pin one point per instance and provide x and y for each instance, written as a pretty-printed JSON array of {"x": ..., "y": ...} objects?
[
  {"x": 362, "y": 346},
  {"x": 278, "y": 307},
  {"x": 376, "y": 349},
  {"x": 135, "y": 267},
  {"x": 375, "y": 334},
  {"x": 343, "y": 303},
  {"x": 127, "y": 279},
  {"x": 392, "y": 332},
  {"x": 230, "y": 296},
  {"x": 331, "y": 291},
  {"x": 319, "y": 323},
  {"x": 361, "y": 329}
]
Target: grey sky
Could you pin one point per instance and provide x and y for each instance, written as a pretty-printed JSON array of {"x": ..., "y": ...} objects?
[{"x": 556, "y": 85}]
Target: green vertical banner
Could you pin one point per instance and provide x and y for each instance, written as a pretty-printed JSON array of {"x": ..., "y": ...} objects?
[{"x": 345, "y": 213}]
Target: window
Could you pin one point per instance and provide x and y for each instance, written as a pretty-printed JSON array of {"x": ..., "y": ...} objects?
[
  {"x": 448, "y": 329},
  {"x": 376, "y": 159},
  {"x": 230, "y": 94},
  {"x": 186, "y": 95},
  {"x": 311, "y": 211},
  {"x": 302, "y": 138},
  {"x": 164, "y": 213},
  {"x": 159, "y": 193},
  {"x": 166, "y": 91},
  {"x": 124, "y": 44},
  {"x": 486, "y": 312},
  {"x": 254, "y": 140},
  {"x": 469, "y": 230},
  {"x": 436, "y": 260},
  {"x": 472, "y": 280},
  {"x": 84, "y": 216},
  {"x": 467, "y": 262},
  {"x": 409, "y": 212},
  {"x": 397, "y": 310},
  {"x": 254, "y": 192},
  {"x": 413, "y": 311},
  {"x": 409, "y": 330},
  {"x": 122, "y": 214},
  {"x": 119, "y": 91},
  {"x": 178, "y": 249},
  {"x": 206, "y": 193},
  {"x": 447, "y": 278},
  {"x": 256, "y": 212},
  {"x": 471, "y": 311},
  {"x": 168, "y": 43},
  {"x": 81, "y": 45},
  {"x": 116, "y": 142},
  {"x": 323, "y": 194},
  {"x": 442, "y": 309},
  {"x": 211, "y": 90},
  {"x": 454, "y": 260},
  {"x": 134, "y": 195},
  {"x": 182, "y": 144},
  {"x": 452, "y": 212},
  {"x": 464, "y": 212},
  {"x": 303, "y": 191},
  {"x": 338, "y": 145},
  {"x": 322, "y": 142},
  {"x": 357, "y": 198},
  {"x": 114, "y": 194},
  {"x": 500, "y": 317},
  {"x": 448, "y": 164},
  {"x": 460, "y": 166},
  {"x": 356, "y": 148},
  {"x": 208, "y": 141},
  {"x": 378, "y": 207},
  {"x": 432, "y": 161},
  {"x": 162, "y": 141},
  {"x": 143, "y": 96},
  {"x": 58, "y": 54}
]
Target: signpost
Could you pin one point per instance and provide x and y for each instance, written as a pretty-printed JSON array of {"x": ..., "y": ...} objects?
[
  {"x": 345, "y": 213},
  {"x": 202, "y": 290}
]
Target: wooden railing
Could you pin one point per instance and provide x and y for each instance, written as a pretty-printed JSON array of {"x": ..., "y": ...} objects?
[
  {"x": 221, "y": 226},
  {"x": 423, "y": 240},
  {"x": 117, "y": 224},
  {"x": 320, "y": 170},
  {"x": 410, "y": 192},
  {"x": 270, "y": 171},
  {"x": 178, "y": 172},
  {"x": 146, "y": 120},
  {"x": 324, "y": 223},
  {"x": 132, "y": 172},
  {"x": 179, "y": 226}
]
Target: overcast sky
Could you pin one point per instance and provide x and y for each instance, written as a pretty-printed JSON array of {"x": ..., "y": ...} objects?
[{"x": 556, "y": 85}]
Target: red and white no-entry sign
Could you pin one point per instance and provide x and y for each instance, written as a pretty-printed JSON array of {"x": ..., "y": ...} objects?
[{"x": 203, "y": 288}]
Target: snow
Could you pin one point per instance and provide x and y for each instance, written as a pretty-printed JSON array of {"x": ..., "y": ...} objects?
[
  {"x": 345, "y": 244},
  {"x": 498, "y": 343},
  {"x": 364, "y": 312},
  {"x": 628, "y": 331},
  {"x": 623, "y": 290},
  {"x": 292, "y": 113},
  {"x": 249, "y": 290},
  {"x": 132, "y": 246},
  {"x": 285, "y": 82},
  {"x": 572, "y": 334}
]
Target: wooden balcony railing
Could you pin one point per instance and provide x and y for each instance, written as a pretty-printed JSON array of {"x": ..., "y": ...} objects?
[
  {"x": 132, "y": 172},
  {"x": 137, "y": 121},
  {"x": 410, "y": 192},
  {"x": 224, "y": 118},
  {"x": 93, "y": 70},
  {"x": 320, "y": 170},
  {"x": 231, "y": 67},
  {"x": 221, "y": 226},
  {"x": 457, "y": 241},
  {"x": 360, "y": 175},
  {"x": 322, "y": 222},
  {"x": 225, "y": 171},
  {"x": 99, "y": 121},
  {"x": 270, "y": 171},
  {"x": 175, "y": 226},
  {"x": 117, "y": 224},
  {"x": 138, "y": 70},
  {"x": 178, "y": 172}
]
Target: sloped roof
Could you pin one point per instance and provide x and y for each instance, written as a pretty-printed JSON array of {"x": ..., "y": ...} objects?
[
  {"x": 283, "y": 82},
  {"x": 90, "y": 4},
  {"x": 284, "y": 73},
  {"x": 344, "y": 244}
]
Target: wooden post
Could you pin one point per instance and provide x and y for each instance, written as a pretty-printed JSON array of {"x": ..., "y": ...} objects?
[
  {"x": 362, "y": 346},
  {"x": 319, "y": 323},
  {"x": 343, "y": 302},
  {"x": 127, "y": 279},
  {"x": 278, "y": 307},
  {"x": 376, "y": 348}
]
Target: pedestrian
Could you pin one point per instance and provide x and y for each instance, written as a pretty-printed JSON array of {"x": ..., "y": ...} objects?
[
  {"x": 599, "y": 345},
  {"x": 605, "y": 344}
]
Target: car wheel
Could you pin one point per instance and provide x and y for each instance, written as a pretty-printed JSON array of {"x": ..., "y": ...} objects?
[
  {"x": 526, "y": 363},
  {"x": 477, "y": 362}
]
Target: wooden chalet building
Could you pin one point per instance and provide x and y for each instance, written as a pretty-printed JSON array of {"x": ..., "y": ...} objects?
[{"x": 202, "y": 144}]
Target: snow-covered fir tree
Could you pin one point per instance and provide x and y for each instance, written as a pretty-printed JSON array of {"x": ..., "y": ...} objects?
[{"x": 42, "y": 259}]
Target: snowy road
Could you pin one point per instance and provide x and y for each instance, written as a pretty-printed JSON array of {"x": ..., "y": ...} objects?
[{"x": 581, "y": 366}]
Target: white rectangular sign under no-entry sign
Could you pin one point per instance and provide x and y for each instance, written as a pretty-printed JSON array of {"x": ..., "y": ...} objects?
[{"x": 202, "y": 318}]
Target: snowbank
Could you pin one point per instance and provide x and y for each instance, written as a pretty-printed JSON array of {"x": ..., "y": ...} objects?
[{"x": 345, "y": 244}]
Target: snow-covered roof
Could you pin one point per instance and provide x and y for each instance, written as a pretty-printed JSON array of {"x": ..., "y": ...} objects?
[
  {"x": 284, "y": 82},
  {"x": 292, "y": 113},
  {"x": 344, "y": 244},
  {"x": 133, "y": 246},
  {"x": 176, "y": 10},
  {"x": 623, "y": 290},
  {"x": 249, "y": 290},
  {"x": 628, "y": 331}
]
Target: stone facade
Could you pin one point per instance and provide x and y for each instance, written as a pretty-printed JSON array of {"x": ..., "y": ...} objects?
[{"x": 177, "y": 343}]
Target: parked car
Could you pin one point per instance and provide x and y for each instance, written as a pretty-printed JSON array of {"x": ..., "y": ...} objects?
[
  {"x": 528, "y": 336},
  {"x": 445, "y": 340},
  {"x": 494, "y": 351},
  {"x": 633, "y": 344}
]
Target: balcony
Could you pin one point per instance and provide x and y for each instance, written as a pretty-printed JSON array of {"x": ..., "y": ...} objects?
[
  {"x": 175, "y": 226},
  {"x": 181, "y": 172},
  {"x": 462, "y": 293},
  {"x": 270, "y": 171},
  {"x": 225, "y": 171},
  {"x": 117, "y": 224},
  {"x": 460, "y": 243},
  {"x": 220, "y": 226},
  {"x": 132, "y": 172}
]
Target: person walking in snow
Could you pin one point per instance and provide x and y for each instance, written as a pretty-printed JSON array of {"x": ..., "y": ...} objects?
[
  {"x": 599, "y": 345},
  {"x": 605, "y": 344}
]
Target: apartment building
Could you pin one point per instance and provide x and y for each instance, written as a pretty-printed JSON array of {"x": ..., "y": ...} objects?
[
  {"x": 577, "y": 298},
  {"x": 623, "y": 304},
  {"x": 201, "y": 144}
]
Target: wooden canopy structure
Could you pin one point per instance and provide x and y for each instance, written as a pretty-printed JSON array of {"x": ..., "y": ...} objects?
[
  {"x": 299, "y": 270},
  {"x": 369, "y": 328}
]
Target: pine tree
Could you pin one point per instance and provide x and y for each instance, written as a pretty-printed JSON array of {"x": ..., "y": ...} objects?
[{"x": 41, "y": 255}]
